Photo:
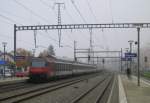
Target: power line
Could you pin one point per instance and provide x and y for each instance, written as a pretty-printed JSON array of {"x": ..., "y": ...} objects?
[
  {"x": 111, "y": 14},
  {"x": 48, "y": 36},
  {"x": 20, "y": 24},
  {"x": 70, "y": 17},
  {"x": 6, "y": 22},
  {"x": 10, "y": 37},
  {"x": 44, "y": 3},
  {"x": 72, "y": 1},
  {"x": 90, "y": 8},
  {"x": 11, "y": 14},
  {"x": 25, "y": 7},
  {"x": 32, "y": 12},
  {"x": 9, "y": 19}
]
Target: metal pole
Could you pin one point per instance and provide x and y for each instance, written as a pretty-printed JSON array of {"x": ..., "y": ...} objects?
[
  {"x": 4, "y": 45},
  {"x": 121, "y": 59},
  {"x": 15, "y": 46},
  {"x": 97, "y": 60},
  {"x": 127, "y": 58},
  {"x": 59, "y": 20},
  {"x": 75, "y": 59},
  {"x": 103, "y": 61},
  {"x": 4, "y": 59},
  {"x": 138, "y": 30},
  {"x": 130, "y": 42}
]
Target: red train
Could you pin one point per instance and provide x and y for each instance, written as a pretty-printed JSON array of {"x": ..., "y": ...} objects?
[{"x": 46, "y": 68}]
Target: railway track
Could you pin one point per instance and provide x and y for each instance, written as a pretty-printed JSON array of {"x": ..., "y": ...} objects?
[
  {"x": 90, "y": 96},
  {"x": 42, "y": 90},
  {"x": 13, "y": 87}
]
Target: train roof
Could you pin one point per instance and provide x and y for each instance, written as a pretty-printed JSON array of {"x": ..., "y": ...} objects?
[{"x": 59, "y": 60}]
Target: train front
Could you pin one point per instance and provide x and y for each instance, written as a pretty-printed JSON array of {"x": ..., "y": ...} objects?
[{"x": 39, "y": 70}]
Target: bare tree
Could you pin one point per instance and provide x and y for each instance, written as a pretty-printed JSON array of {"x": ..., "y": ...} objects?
[{"x": 51, "y": 50}]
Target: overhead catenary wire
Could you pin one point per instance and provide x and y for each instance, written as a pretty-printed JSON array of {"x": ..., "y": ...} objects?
[
  {"x": 51, "y": 38},
  {"x": 9, "y": 19},
  {"x": 46, "y": 4},
  {"x": 6, "y": 22},
  {"x": 91, "y": 10},
  {"x": 25, "y": 7},
  {"x": 11, "y": 37},
  {"x": 30, "y": 9},
  {"x": 73, "y": 3},
  {"x": 13, "y": 21},
  {"x": 111, "y": 12},
  {"x": 32, "y": 12}
]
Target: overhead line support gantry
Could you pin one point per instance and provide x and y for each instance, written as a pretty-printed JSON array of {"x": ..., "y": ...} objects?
[{"x": 86, "y": 26}]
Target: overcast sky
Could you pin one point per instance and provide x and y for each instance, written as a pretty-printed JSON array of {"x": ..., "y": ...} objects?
[{"x": 33, "y": 12}]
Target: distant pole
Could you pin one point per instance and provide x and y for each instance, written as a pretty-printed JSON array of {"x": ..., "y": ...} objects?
[
  {"x": 35, "y": 34},
  {"x": 75, "y": 58},
  {"x": 15, "y": 47},
  {"x": 14, "y": 42},
  {"x": 103, "y": 61},
  {"x": 138, "y": 30},
  {"x": 97, "y": 60},
  {"x": 121, "y": 59},
  {"x": 91, "y": 46},
  {"x": 127, "y": 58},
  {"x": 130, "y": 43},
  {"x": 4, "y": 45},
  {"x": 33, "y": 50},
  {"x": 59, "y": 20}
]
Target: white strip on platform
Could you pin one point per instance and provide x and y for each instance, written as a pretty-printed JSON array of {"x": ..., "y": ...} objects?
[{"x": 122, "y": 96}]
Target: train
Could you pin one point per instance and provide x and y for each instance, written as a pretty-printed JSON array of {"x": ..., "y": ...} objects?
[{"x": 47, "y": 68}]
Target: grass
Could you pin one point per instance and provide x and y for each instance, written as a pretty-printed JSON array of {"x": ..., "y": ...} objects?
[{"x": 146, "y": 74}]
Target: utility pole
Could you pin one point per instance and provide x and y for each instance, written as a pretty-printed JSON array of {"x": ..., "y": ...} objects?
[
  {"x": 121, "y": 59},
  {"x": 75, "y": 58},
  {"x": 103, "y": 61},
  {"x": 138, "y": 30},
  {"x": 59, "y": 20},
  {"x": 127, "y": 58},
  {"x": 4, "y": 45},
  {"x": 33, "y": 50},
  {"x": 35, "y": 34},
  {"x": 91, "y": 45}
]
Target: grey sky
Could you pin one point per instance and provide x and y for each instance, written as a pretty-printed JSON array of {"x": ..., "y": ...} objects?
[{"x": 93, "y": 11}]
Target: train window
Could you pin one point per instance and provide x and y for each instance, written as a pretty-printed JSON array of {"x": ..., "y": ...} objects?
[
  {"x": 46, "y": 64},
  {"x": 38, "y": 64},
  {"x": 58, "y": 67}
]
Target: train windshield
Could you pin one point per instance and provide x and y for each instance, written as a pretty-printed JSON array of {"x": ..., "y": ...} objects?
[{"x": 38, "y": 63}]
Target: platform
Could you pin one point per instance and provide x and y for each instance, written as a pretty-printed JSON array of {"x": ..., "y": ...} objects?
[
  {"x": 12, "y": 79},
  {"x": 129, "y": 92}
]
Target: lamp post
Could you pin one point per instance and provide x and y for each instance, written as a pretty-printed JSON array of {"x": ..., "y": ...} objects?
[
  {"x": 127, "y": 50},
  {"x": 4, "y": 45},
  {"x": 138, "y": 43},
  {"x": 130, "y": 43}
]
